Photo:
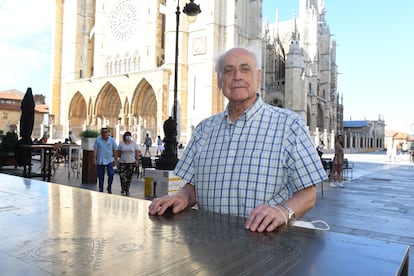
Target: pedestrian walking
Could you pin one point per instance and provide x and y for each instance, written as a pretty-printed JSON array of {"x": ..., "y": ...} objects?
[
  {"x": 160, "y": 146},
  {"x": 147, "y": 144},
  {"x": 128, "y": 154},
  {"x": 104, "y": 149}
]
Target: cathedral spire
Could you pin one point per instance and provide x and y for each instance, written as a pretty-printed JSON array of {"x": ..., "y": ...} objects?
[
  {"x": 295, "y": 33},
  {"x": 321, "y": 6},
  {"x": 277, "y": 15}
]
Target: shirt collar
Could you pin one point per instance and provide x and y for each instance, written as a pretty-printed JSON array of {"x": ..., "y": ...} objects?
[{"x": 249, "y": 113}]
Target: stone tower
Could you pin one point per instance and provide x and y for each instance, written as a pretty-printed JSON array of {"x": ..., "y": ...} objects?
[
  {"x": 301, "y": 71},
  {"x": 295, "y": 94}
]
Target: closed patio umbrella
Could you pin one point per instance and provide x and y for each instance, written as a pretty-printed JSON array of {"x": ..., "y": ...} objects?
[
  {"x": 27, "y": 117},
  {"x": 23, "y": 155}
]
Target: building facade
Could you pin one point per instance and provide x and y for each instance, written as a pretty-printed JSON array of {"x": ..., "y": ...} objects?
[
  {"x": 364, "y": 134},
  {"x": 10, "y": 112},
  {"x": 114, "y": 62}
]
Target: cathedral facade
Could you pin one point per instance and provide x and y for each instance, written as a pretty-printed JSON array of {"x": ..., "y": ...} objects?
[{"x": 114, "y": 62}]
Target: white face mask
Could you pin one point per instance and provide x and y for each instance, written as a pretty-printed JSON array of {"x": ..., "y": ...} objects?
[{"x": 128, "y": 138}]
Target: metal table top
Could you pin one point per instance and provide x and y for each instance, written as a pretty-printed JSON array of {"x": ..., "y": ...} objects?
[{"x": 51, "y": 229}]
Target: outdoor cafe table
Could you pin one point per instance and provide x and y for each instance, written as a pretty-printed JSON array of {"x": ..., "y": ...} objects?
[
  {"x": 51, "y": 229},
  {"x": 45, "y": 158}
]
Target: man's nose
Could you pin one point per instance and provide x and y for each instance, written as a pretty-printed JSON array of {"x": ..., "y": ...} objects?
[{"x": 237, "y": 74}]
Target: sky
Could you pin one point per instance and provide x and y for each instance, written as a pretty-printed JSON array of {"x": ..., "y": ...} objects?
[
  {"x": 374, "y": 53},
  {"x": 25, "y": 45}
]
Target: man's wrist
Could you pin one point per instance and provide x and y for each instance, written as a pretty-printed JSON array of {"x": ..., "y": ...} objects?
[
  {"x": 281, "y": 210},
  {"x": 291, "y": 212}
]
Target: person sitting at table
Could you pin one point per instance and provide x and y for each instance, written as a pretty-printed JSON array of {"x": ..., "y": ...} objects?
[
  {"x": 62, "y": 152},
  {"x": 72, "y": 138},
  {"x": 253, "y": 160}
]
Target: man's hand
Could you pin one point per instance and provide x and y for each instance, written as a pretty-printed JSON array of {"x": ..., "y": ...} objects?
[
  {"x": 177, "y": 202},
  {"x": 269, "y": 218},
  {"x": 186, "y": 197},
  {"x": 266, "y": 218}
]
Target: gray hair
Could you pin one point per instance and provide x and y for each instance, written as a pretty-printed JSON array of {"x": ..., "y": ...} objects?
[{"x": 219, "y": 63}]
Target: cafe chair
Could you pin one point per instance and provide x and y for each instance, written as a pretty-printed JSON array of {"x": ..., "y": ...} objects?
[
  {"x": 347, "y": 169},
  {"x": 146, "y": 163}
]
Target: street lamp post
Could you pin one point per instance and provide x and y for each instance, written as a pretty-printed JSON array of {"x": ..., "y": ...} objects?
[{"x": 169, "y": 159}]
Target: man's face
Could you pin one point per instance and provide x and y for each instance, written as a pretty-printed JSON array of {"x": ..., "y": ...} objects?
[
  {"x": 240, "y": 79},
  {"x": 104, "y": 134}
]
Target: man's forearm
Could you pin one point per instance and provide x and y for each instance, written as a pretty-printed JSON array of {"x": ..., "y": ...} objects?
[
  {"x": 189, "y": 191},
  {"x": 302, "y": 201}
]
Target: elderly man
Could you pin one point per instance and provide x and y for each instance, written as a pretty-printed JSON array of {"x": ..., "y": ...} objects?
[{"x": 253, "y": 160}]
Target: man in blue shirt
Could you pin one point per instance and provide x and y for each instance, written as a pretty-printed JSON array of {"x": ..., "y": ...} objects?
[
  {"x": 104, "y": 154},
  {"x": 253, "y": 160}
]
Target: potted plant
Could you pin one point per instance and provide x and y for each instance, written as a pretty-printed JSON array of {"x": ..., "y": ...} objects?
[
  {"x": 88, "y": 137},
  {"x": 9, "y": 143},
  {"x": 8, "y": 147}
]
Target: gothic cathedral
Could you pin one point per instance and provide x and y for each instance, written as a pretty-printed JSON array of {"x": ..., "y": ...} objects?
[{"x": 114, "y": 64}]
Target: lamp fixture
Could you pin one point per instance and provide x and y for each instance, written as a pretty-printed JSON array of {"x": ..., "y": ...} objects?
[{"x": 191, "y": 10}]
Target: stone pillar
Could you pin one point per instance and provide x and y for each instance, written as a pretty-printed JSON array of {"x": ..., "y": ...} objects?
[
  {"x": 325, "y": 137},
  {"x": 332, "y": 145},
  {"x": 131, "y": 122},
  {"x": 117, "y": 133},
  {"x": 358, "y": 141},
  {"x": 345, "y": 140},
  {"x": 41, "y": 130},
  {"x": 139, "y": 133},
  {"x": 317, "y": 136},
  {"x": 51, "y": 132}
]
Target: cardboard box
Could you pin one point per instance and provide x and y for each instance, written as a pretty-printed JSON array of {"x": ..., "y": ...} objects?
[
  {"x": 161, "y": 182},
  {"x": 149, "y": 181}
]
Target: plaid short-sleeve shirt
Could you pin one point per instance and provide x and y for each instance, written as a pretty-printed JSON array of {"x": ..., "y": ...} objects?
[{"x": 263, "y": 158}]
